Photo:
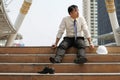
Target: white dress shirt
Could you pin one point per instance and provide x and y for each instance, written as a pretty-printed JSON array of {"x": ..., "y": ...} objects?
[{"x": 68, "y": 25}]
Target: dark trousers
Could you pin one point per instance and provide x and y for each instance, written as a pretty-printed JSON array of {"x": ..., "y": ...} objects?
[{"x": 68, "y": 42}]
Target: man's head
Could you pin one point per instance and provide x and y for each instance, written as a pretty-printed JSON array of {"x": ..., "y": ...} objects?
[{"x": 73, "y": 11}]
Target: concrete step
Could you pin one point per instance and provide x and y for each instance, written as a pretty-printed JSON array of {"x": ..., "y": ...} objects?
[
  {"x": 44, "y": 58},
  {"x": 48, "y": 50},
  {"x": 23, "y": 63},
  {"x": 60, "y": 76},
  {"x": 61, "y": 68}
]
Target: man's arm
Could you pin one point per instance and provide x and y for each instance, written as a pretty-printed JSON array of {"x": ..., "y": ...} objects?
[
  {"x": 86, "y": 32},
  {"x": 60, "y": 33},
  {"x": 90, "y": 43},
  {"x": 89, "y": 40},
  {"x": 56, "y": 42}
]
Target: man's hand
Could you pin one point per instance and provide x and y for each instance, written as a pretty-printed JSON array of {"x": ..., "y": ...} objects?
[
  {"x": 54, "y": 46},
  {"x": 91, "y": 46}
]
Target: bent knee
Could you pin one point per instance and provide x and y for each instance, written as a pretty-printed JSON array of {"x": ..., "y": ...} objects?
[{"x": 64, "y": 45}]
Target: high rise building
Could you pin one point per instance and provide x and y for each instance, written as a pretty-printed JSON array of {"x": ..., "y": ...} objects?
[
  {"x": 90, "y": 13},
  {"x": 104, "y": 25},
  {"x": 117, "y": 4}
]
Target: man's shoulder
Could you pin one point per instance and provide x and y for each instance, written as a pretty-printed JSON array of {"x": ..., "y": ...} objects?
[
  {"x": 66, "y": 17},
  {"x": 81, "y": 17}
]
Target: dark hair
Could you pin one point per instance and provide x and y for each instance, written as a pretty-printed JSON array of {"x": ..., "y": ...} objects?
[{"x": 71, "y": 8}]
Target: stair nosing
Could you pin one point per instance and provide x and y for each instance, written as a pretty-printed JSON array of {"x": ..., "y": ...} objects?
[
  {"x": 62, "y": 74},
  {"x": 54, "y": 54},
  {"x": 99, "y": 63}
]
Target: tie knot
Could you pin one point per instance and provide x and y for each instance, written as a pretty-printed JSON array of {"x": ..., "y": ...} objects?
[{"x": 74, "y": 20}]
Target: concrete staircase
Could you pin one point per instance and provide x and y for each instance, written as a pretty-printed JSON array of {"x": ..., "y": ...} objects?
[{"x": 22, "y": 63}]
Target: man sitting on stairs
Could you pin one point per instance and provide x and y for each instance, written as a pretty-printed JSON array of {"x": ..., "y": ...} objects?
[{"x": 75, "y": 26}]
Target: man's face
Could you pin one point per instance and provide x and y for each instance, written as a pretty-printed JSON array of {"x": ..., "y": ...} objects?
[{"x": 75, "y": 13}]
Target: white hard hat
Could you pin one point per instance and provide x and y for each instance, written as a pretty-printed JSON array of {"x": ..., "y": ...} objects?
[{"x": 101, "y": 50}]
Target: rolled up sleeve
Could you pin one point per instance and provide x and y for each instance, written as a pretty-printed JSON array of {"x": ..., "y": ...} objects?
[
  {"x": 85, "y": 28},
  {"x": 61, "y": 29}
]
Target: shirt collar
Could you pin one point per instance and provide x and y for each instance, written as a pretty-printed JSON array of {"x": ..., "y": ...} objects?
[{"x": 73, "y": 19}]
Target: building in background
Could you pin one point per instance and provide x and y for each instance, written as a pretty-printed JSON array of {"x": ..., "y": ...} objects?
[
  {"x": 104, "y": 25},
  {"x": 117, "y": 3},
  {"x": 90, "y": 13},
  {"x": 98, "y": 20}
]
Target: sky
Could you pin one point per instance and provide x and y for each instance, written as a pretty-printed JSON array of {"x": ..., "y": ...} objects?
[{"x": 41, "y": 24}]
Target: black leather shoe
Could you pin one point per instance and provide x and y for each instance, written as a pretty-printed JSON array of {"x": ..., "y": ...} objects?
[
  {"x": 80, "y": 60},
  {"x": 52, "y": 60},
  {"x": 44, "y": 71},
  {"x": 51, "y": 70},
  {"x": 47, "y": 70}
]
